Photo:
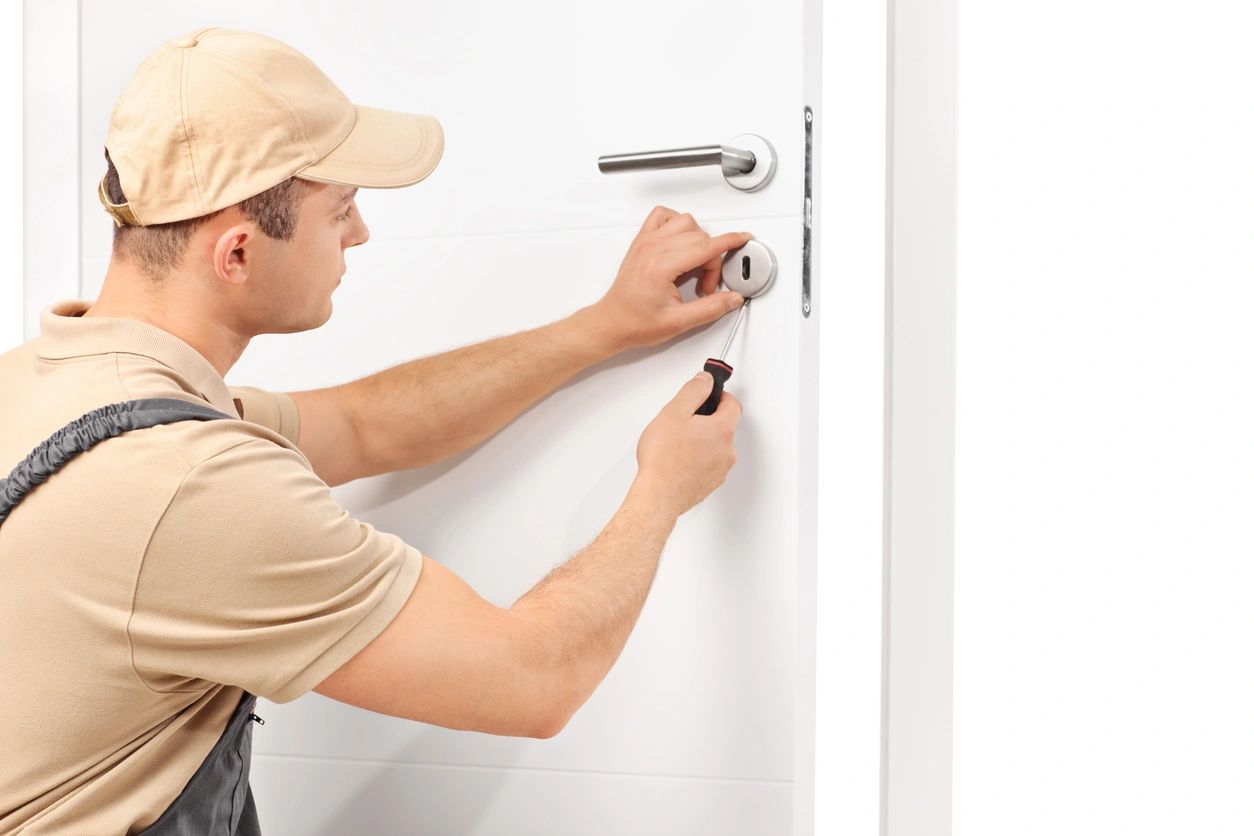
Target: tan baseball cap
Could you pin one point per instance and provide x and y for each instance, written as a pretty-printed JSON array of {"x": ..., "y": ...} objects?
[{"x": 216, "y": 116}]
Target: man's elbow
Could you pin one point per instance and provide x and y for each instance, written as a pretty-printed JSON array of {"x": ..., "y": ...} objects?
[
  {"x": 554, "y": 684},
  {"x": 553, "y": 706},
  {"x": 552, "y": 726}
]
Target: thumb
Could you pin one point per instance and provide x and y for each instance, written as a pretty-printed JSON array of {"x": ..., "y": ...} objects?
[
  {"x": 708, "y": 308},
  {"x": 693, "y": 393}
]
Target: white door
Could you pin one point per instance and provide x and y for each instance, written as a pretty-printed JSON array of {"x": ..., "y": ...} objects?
[{"x": 705, "y": 724}]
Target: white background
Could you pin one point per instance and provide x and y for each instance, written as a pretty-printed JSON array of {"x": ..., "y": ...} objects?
[
  {"x": 1104, "y": 570},
  {"x": 1104, "y": 460}
]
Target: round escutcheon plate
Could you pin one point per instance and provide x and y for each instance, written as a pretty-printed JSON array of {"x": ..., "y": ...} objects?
[
  {"x": 764, "y": 167},
  {"x": 749, "y": 270}
]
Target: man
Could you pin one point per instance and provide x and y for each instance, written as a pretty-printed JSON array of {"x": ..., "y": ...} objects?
[{"x": 169, "y": 573}]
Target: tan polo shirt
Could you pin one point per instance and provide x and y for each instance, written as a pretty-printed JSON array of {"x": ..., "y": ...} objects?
[{"x": 157, "y": 576}]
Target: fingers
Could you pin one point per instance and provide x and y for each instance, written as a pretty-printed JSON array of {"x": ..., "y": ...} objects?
[
  {"x": 689, "y": 250},
  {"x": 729, "y": 406},
  {"x": 667, "y": 222},
  {"x": 712, "y": 273},
  {"x": 677, "y": 223},
  {"x": 705, "y": 246},
  {"x": 659, "y": 215},
  {"x": 727, "y": 241},
  {"x": 693, "y": 393},
  {"x": 688, "y": 315}
]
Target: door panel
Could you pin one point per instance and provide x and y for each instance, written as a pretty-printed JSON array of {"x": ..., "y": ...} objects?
[
  {"x": 324, "y": 796},
  {"x": 517, "y": 228}
]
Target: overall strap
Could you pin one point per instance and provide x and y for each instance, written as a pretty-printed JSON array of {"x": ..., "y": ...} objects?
[
  {"x": 85, "y": 432},
  {"x": 218, "y": 798}
]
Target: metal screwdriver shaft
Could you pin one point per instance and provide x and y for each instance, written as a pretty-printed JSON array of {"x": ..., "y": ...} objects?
[
  {"x": 735, "y": 325},
  {"x": 720, "y": 369}
]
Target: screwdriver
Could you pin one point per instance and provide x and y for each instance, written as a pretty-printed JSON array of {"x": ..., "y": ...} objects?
[{"x": 720, "y": 369}]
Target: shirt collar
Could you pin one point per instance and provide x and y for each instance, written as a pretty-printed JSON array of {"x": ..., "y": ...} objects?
[{"x": 64, "y": 332}]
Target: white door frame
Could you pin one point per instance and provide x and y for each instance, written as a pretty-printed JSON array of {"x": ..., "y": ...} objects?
[
  {"x": 51, "y": 196},
  {"x": 12, "y": 228},
  {"x": 919, "y": 557},
  {"x": 883, "y": 267}
]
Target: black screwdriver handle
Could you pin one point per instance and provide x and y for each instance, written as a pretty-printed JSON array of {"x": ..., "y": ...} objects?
[{"x": 721, "y": 372}]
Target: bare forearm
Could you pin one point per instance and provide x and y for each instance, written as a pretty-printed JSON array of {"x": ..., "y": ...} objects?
[
  {"x": 431, "y": 408},
  {"x": 582, "y": 612}
]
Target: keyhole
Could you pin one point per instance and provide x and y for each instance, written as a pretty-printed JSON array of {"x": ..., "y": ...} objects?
[{"x": 744, "y": 268}]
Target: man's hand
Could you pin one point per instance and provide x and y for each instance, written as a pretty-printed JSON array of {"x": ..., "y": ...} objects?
[{"x": 643, "y": 306}]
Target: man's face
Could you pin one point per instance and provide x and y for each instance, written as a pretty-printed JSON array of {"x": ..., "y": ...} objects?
[{"x": 297, "y": 277}]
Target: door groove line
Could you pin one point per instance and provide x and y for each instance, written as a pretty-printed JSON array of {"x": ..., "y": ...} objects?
[{"x": 488, "y": 767}]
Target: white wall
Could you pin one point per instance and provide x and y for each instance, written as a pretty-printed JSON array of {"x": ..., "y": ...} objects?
[
  {"x": 1105, "y": 399},
  {"x": 11, "y": 215}
]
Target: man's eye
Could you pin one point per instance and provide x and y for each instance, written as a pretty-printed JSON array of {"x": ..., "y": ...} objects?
[{"x": 344, "y": 217}]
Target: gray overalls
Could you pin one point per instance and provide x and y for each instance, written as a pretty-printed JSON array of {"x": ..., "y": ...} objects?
[{"x": 217, "y": 799}]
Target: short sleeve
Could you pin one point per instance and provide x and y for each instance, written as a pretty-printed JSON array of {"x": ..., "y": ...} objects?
[
  {"x": 274, "y": 410},
  {"x": 256, "y": 577}
]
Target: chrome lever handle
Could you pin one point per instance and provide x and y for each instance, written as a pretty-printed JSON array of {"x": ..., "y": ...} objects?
[
  {"x": 747, "y": 161},
  {"x": 733, "y": 160}
]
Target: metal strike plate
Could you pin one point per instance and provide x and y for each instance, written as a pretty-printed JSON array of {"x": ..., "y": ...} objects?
[{"x": 750, "y": 270}]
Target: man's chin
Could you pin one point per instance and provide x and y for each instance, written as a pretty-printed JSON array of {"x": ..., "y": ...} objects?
[
  {"x": 309, "y": 323},
  {"x": 327, "y": 310}
]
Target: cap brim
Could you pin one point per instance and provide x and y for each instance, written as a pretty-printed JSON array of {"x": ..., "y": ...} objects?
[{"x": 385, "y": 149}]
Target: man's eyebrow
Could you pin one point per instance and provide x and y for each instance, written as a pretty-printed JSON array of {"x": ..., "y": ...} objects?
[{"x": 346, "y": 196}]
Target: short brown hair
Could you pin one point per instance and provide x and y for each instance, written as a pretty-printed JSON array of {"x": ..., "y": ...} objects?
[{"x": 157, "y": 249}]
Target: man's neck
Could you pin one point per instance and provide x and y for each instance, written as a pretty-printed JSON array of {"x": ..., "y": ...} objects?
[{"x": 215, "y": 342}]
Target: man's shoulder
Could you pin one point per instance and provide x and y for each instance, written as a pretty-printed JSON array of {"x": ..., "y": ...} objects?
[{"x": 199, "y": 441}]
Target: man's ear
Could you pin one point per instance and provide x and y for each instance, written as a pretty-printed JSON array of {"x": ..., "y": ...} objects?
[{"x": 234, "y": 253}]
